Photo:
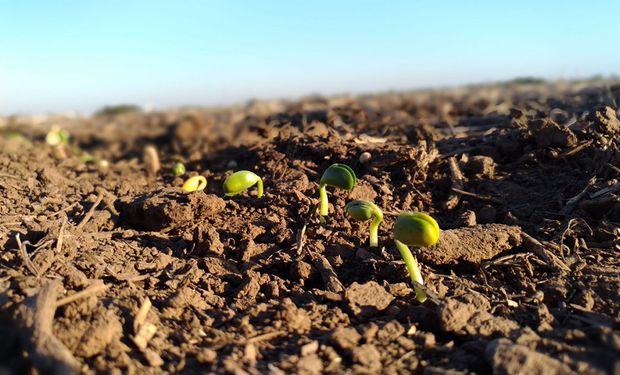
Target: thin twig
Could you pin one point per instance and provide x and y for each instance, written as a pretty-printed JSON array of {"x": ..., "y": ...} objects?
[
  {"x": 60, "y": 236},
  {"x": 607, "y": 190},
  {"x": 477, "y": 196},
  {"x": 92, "y": 289},
  {"x": 432, "y": 296},
  {"x": 332, "y": 283},
  {"x": 140, "y": 317},
  {"x": 48, "y": 354},
  {"x": 457, "y": 183},
  {"x": 458, "y": 151},
  {"x": 10, "y": 176},
  {"x": 265, "y": 336},
  {"x": 570, "y": 205},
  {"x": 569, "y": 226},
  {"x": 301, "y": 239},
  {"x": 576, "y": 149},
  {"x": 65, "y": 209},
  {"x": 533, "y": 245},
  {"x": 90, "y": 213},
  {"x": 25, "y": 257},
  {"x": 616, "y": 169}
]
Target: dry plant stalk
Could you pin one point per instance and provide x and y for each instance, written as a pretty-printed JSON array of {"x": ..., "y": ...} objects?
[
  {"x": 48, "y": 354},
  {"x": 151, "y": 160},
  {"x": 457, "y": 184}
]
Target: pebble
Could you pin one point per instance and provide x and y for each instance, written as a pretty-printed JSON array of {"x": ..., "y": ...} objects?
[{"x": 365, "y": 157}]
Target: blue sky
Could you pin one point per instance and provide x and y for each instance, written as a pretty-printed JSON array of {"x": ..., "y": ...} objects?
[{"x": 80, "y": 55}]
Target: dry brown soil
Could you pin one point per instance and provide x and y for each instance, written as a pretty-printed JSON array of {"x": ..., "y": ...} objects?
[{"x": 118, "y": 270}]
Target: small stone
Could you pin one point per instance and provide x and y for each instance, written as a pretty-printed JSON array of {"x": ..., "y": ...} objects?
[
  {"x": 310, "y": 348},
  {"x": 412, "y": 330},
  {"x": 365, "y": 157}
]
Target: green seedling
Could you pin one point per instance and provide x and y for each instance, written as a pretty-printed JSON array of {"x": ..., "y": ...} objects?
[
  {"x": 361, "y": 210},
  {"x": 241, "y": 181},
  {"x": 87, "y": 158},
  {"x": 419, "y": 230},
  {"x": 17, "y": 138},
  {"x": 337, "y": 175},
  {"x": 178, "y": 169},
  {"x": 57, "y": 136},
  {"x": 196, "y": 183}
]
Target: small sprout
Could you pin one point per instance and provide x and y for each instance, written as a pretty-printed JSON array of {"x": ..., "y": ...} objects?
[
  {"x": 241, "y": 181},
  {"x": 364, "y": 210},
  {"x": 337, "y": 175},
  {"x": 419, "y": 230},
  {"x": 57, "y": 136},
  {"x": 178, "y": 169},
  {"x": 196, "y": 183},
  {"x": 17, "y": 138},
  {"x": 87, "y": 158}
]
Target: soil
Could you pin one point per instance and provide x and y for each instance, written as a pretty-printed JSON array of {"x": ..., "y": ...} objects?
[{"x": 115, "y": 269}]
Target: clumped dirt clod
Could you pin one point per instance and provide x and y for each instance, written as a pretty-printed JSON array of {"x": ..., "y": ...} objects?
[
  {"x": 120, "y": 270},
  {"x": 473, "y": 244}
]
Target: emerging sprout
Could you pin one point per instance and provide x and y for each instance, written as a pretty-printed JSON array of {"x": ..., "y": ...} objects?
[
  {"x": 87, "y": 158},
  {"x": 178, "y": 169},
  {"x": 241, "y": 181},
  {"x": 196, "y": 183},
  {"x": 415, "y": 229},
  {"x": 337, "y": 175},
  {"x": 57, "y": 136},
  {"x": 17, "y": 138},
  {"x": 364, "y": 210}
]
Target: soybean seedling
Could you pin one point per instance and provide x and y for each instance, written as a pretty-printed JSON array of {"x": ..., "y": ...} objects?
[
  {"x": 178, "y": 169},
  {"x": 195, "y": 183},
  {"x": 337, "y": 175},
  {"x": 419, "y": 230},
  {"x": 57, "y": 136},
  {"x": 361, "y": 210},
  {"x": 241, "y": 181}
]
